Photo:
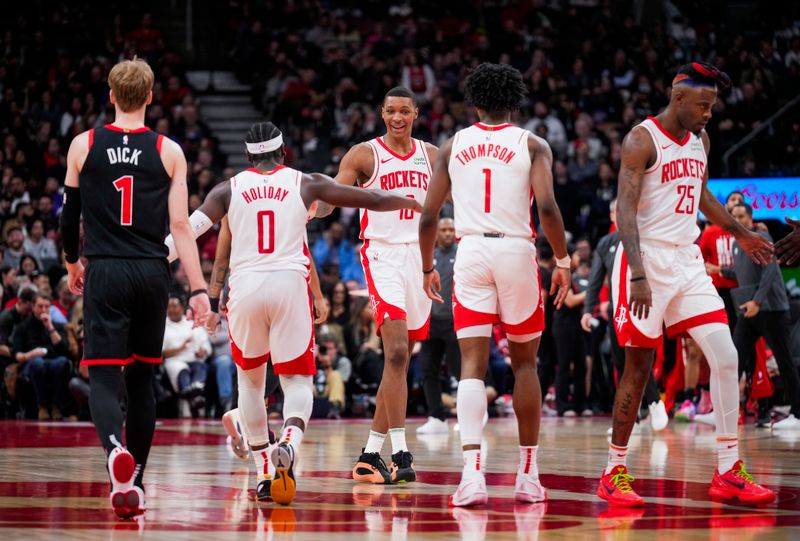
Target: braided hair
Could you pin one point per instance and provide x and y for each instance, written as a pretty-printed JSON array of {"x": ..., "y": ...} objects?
[
  {"x": 259, "y": 132},
  {"x": 495, "y": 88}
]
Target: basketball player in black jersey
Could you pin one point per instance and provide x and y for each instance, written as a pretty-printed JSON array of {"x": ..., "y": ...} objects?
[{"x": 130, "y": 185}]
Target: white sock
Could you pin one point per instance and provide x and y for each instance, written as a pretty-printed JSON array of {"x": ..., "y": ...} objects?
[
  {"x": 292, "y": 435},
  {"x": 471, "y": 406},
  {"x": 398, "y": 437},
  {"x": 616, "y": 456},
  {"x": 265, "y": 469},
  {"x": 727, "y": 451},
  {"x": 472, "y": 463},
  {"x": 527, "y": 461},
  {"x": 375, "y": 442}
]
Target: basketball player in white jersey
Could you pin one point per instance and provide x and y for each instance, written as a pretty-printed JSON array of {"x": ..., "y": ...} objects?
[
  {"x": 398, "y": 163},
  {"x": 269, "y": 306},
  {"x": 493, "y": 170},
  {"x": 659, "y": 276}
]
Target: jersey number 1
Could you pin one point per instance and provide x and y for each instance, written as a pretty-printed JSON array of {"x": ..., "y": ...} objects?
[
  {"x": 270, "y": 227},
  {"x": 125, "y": 185},
  {"x": 487, "y": 196}
]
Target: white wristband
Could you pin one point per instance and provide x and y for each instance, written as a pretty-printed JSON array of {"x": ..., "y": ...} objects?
[{"x": 563, "y": 262}]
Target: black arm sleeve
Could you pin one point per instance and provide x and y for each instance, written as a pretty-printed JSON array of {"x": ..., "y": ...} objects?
[{"x": 70, "y": 224}]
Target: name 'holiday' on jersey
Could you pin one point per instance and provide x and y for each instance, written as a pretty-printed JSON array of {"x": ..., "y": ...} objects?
[
  {"x": 407, "y": 176},
  {"x": 671, "y": 188},
  {"x": 490, "y": 170},
  {"x": 267, "y": 218},
  {"x": 124, "y": 192}
]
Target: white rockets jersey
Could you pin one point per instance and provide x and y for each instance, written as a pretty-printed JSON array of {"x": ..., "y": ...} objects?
[
  {"x": 268, "y": 219},
  {"x": 671, "y": 188},
  {"x": 401, "y": 175},
  {"x": 490, "y": 170}
]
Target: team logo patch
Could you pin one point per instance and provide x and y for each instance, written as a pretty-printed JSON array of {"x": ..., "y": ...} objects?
[
  {"x": 124, "y": 139},
  {"x": 622, "y": 318}
]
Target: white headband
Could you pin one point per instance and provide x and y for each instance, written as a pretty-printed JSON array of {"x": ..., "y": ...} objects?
[{"x": 265, "y": 146}]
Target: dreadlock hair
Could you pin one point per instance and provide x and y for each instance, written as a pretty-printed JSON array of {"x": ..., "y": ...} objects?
[
  {"x": 401, "y": 92},
  {"x": 495, "y": 88},
  {"x": 259, "y": 132}
]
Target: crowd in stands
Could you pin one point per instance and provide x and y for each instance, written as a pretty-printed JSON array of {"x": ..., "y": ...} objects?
[{"x": 320, "y": 75}]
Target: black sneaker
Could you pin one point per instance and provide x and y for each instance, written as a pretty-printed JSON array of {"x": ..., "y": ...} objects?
[
  {"x": 402, "y": 471},
  {"x": 371, "y": 468},
  {"x": 263, "y": 490}
]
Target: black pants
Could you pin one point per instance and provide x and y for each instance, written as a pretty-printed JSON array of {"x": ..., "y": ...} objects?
[
  {"x": 775, "y": 328},
  {"x": 442, "y": 345},
  {"x": 570, "y": 350},
  {"x": 730, "y": 307}
]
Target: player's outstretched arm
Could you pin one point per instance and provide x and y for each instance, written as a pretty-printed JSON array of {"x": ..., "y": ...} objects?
[
  {"x": 637, "y": 149},
  {"x": 218, "y": 273},
  {"x": 71, "y": 211},
  {"x": 756, "y": 246},
  {"x": 354, "y": 162},
  {"x": 210, "y": 212},
  {"x": 175, "y": 164},
  {"x": 541, "y": 179},
  {"x": 428, "y": 222},
  {"x": 318, "y": 186}
]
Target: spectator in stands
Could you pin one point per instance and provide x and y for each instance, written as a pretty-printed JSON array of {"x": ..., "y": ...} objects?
[
  {"x": 334, "y": 248},
  {"x": 41, "y": 349},
  {"x": 40, "y": 247},
  {"x": 15, "y": 240},
  {"x": 185, "y": 351},
  {"x": 363, "y": 344}
]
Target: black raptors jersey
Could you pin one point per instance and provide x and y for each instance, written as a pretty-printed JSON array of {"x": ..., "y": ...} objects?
[{"x": 124, "y": 190}]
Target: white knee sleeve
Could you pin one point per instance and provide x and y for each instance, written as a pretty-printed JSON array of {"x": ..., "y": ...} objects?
[
  {"x": 471, "y": 407},
  {"x": 251, "y": 404},
  {"x": 298, "y": 397},
  {"x": 717, "y": 345}
]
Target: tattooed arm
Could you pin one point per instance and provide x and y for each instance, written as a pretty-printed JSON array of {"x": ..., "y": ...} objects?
[{"x": 637, "y": 152}]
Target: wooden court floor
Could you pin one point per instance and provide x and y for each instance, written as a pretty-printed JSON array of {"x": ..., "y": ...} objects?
[{"x": 53, "y": 486}]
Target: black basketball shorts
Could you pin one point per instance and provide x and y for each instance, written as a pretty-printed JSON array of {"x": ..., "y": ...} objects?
[{"x": 124, "y": 310}]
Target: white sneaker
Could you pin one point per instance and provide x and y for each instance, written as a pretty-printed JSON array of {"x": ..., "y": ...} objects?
[
  {"x": 790, "y": 423},
  {"x": 658, "y": 415},
  {"x": 127, "y": 500},
  {"x": 570, "y": 413},
  {"x": 235, "y": 440},
  {"x": 471, "y": 491},
  {"x": 529, "y": 489},
  {"x": 706, "y": 418},
  {"x": 587, "y": 413},
  {"x": 433, "y": 426}
]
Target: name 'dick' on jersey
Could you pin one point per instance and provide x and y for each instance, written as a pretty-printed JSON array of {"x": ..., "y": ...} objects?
[
  {"x": 124, "y": 193},
  {"x": 402, "y": 175}
]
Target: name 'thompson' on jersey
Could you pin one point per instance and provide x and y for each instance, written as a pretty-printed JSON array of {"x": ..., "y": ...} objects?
[
  {"x": 124, "y": 192},
  {"x": 407, "y": 176},
  {"x": 671, "y": 188},
  {"x": 490, "y": 170},
  {"x": 267, "y": 218}
]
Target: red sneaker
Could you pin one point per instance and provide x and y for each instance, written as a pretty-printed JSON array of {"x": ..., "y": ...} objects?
[
  {"x": 615, "y": 488},
  {"x": 737, "y": 484}
]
